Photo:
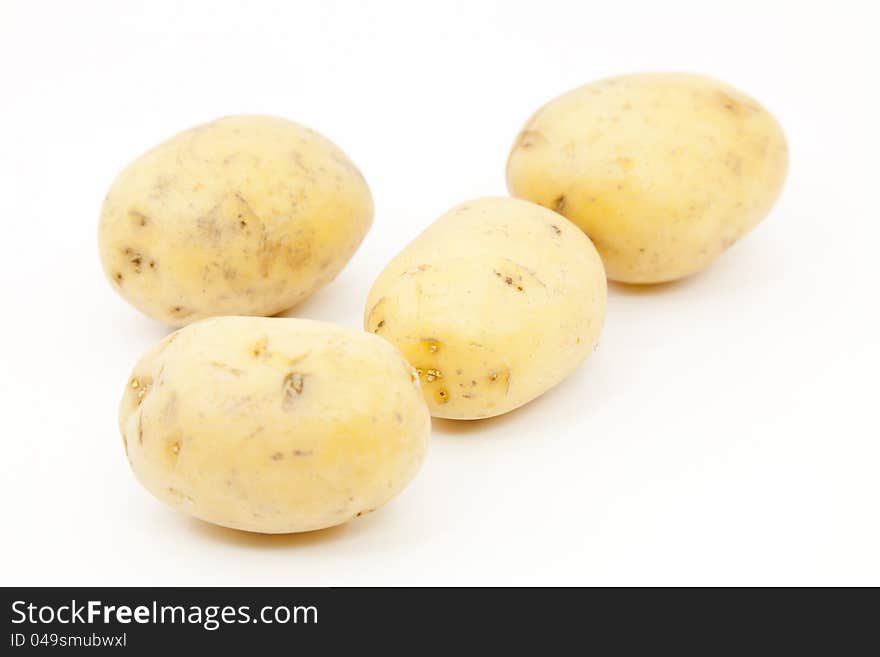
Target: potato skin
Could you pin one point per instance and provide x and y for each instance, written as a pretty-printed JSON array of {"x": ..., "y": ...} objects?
[
  {"x": 247, "y": 215},
  {"x": 662, "y": 171},
  {"x": 495, "y": 303},
  {"x": 273, "y": 425}
]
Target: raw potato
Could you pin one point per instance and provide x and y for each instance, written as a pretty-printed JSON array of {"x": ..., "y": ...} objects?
[
  {"x": 273, "y": 425},
  {"x": 247, "y": 215},
  {"x": 662, "y": 171},
  {"x": 495, "y": 303}
]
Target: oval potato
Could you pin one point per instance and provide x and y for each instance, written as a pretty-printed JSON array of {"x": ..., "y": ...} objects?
[
  {"x": 662, "y": 171},
  {"x": 273, "y": 425},
  {"x": 495, "y": 303},
  {"x": 247, "y": 215}
]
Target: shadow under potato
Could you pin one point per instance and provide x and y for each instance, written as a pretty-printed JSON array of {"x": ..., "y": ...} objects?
[{"x": 256, "y": 540}]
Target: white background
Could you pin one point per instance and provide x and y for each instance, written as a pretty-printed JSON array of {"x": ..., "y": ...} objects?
[{"x": 726, "y": 430}]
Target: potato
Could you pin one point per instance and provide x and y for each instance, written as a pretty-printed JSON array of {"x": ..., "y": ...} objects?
[
  {"x": 247, "y": 215},
  {"x": 495, "y": 303},
  {"x": 662, "y": 171},
  {"x": 273, "y": 425}
]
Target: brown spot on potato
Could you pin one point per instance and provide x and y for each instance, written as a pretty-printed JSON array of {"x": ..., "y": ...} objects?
[
  {"x": 138, "y": 218},
  {"x": 559, "y": 204},
  {"x": 500, "y": 376},
  {"x": 260, "y": 347},
  {"x": 226, "y": 368},
  {"x": 180, "y": 311},
  {"x": 118, "y": 278},
  {"x": 530, "y": 138},
  {"x": 277, "y": 456},
  {"x": 728, "y": 103},
  {"x": 432, "y": 375},
  {"x": 173, "y": 450},
  {"x": 556, "y": 229},
  {"x": 302, "y": 452},
  {"x": 181, "y": 497},
  {"x": 442, "y": 396},
  {"x": 292, "y": 387},
  {"x": 509, "y": 280}
]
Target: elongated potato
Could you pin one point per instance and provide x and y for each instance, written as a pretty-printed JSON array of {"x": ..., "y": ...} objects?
[
  {"x": 495, "y": 303},
  {"x": 662, "y": 171},
  {"x": 247, "y": 215},
  {"x": 273, "y": 425}
]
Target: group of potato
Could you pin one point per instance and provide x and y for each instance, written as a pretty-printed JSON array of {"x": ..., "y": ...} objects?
[{"x": 285, "y": 425}]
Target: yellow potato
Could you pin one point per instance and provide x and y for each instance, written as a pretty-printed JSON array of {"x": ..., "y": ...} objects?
[
  {"x": 493, "y": 304},
  {"x": 662, "y": 171},
  {"x": 273, "y": 425},
  {"x": 247, "y": 215}
]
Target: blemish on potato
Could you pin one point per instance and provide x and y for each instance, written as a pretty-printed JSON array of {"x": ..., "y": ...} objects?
[
  {"x": 181, "y": 497},
  {"x": 140, "y": 387},
  {"x": 292, "y": 387},
  {"x": 442, "y": 396},
  {"x": 138, "y": 218},
  {"x": 431, "y": 344},
  {"x": 172, "y": 449},
  {"x": 180, "y": 311},
  {"x": 260, "y": 348},
  {"x": 432, "y": 375},
  {"x": 728, "y": 103},
  {"x": 500, "y": 376},
  {"x": 302, "y": 452},
  {"x": 556, "y": 229},
  {"x": 118, "y": 278},
  {"x": 277, "y": 456},
  {"x": 559, "y": 204},
  {"x": 234, "y": 371},
  {"x": 509, "y": 280},
  {"x": 530, "y": 138}
]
